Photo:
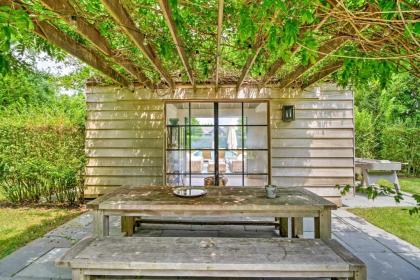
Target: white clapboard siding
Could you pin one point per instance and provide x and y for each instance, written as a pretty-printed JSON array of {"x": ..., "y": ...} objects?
[
  {"x": 314, "y": 104},
  {"x": 312, "y": 172},
  {"x": 124, "y": 161},
  {"x": 307, "y": 123},
  {"x": 124, "y": 143},
  {"x": 312, "y": 162},
  {"x": 290, "y": 133},
  {"x": 124, "y": 134},
  {"x": 316, "y": 150},
  {"x": 124, "y": 106},
  {"x": 124, "y": 152},
  {"x": 124, "y": 171},
  {"x": 125, "y": 115},
  {"x": 125, "y": 124},
  {"x": 121, "y": 96},
  {"x": 312, "y": 152},
  {"x": 312, "y": 143}
]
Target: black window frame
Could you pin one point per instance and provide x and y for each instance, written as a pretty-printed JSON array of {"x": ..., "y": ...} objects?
[{"x": 216, "y": 148}]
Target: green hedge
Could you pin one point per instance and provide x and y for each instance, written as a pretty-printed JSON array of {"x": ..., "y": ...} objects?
[
  {"x": 41, "y": 159},
  {"x": 365, "y": 136},
  {"x": 402, "y": 144}
]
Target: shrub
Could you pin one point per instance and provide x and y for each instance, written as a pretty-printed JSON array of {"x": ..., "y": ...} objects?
[
  {"x": 364, "y": 134},
  {"x": 41, "y": 158},
  {"x": 401, "y": 143}
]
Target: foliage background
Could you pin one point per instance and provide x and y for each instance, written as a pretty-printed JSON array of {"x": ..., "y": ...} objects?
[
  {"x": 387, "y": 121},
  {"x": 41, "y": 139}
]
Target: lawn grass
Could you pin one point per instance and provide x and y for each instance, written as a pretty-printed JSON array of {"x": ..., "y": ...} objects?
[
  {"x": 18, "y": 226},
  {"x": 410, "y": 185},
  {"x": 395, "y": 220}
]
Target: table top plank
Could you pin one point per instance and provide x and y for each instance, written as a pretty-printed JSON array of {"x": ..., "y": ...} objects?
[{"x": 227, "y": 198}]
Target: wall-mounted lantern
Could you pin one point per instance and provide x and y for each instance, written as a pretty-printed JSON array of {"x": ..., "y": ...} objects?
[{"x": 288, "y": 113}]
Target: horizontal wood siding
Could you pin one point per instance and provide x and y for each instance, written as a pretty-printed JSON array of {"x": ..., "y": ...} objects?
[
  {"x": 316, "y": 150},
  {"x": 124, "y": 141},
  {"x": 125, "y": 136}
]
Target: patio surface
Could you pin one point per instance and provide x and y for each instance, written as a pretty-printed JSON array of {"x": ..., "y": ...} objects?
[{"x": 386, "y": 256}]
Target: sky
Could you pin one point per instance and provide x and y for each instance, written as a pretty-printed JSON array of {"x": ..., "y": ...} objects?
[{"x": 45, "y": 63}]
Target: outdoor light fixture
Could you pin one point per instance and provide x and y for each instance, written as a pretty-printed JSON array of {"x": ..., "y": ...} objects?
[{"x": 288, "y": 114}]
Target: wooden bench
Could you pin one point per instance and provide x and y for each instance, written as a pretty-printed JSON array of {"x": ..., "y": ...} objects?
[
  {"x": 211, "y": 257},
  {"x": 374, "y": 169}
]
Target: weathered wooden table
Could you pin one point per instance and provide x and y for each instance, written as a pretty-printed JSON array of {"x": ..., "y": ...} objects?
[{"x": 146, "y": 201}]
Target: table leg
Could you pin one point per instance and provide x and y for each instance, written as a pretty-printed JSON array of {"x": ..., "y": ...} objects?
[
  {"x": 101, "y": 224},
  {"x": 360, "y": 273},
  {"x": 137, "y": 222},
  {"x": 282, "y": 226},
  {"x": 396, "y": 182},
  {"x": 78, "y": 274},
  {"x": 365, "y": 175},
  {"x": 127, "y": 225},
  {"x": 323, "y": 224},
  {"x": 297, "y": 227}
]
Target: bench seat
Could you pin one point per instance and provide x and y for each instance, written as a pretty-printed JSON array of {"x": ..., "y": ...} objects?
[{"x": 211, "y": 257}]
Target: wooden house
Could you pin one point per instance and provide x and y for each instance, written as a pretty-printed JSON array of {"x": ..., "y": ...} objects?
[{"x": 141, "y": 137}]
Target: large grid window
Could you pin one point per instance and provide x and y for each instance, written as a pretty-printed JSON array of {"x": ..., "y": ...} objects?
[{"x": 217, "y": 143}]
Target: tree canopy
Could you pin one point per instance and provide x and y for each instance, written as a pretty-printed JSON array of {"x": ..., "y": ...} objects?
[{"x": 284, "y": 43}]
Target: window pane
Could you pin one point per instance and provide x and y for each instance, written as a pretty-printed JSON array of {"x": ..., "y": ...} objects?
[
  {"x": 256, "y": 162},
  {"x": 177, "y": 180},
  {"x": 255, "y": 113},
  {"x": 223, "y": 165},
  {"x": 200, "y": 180},
  {"x": 230, "y": 137},
  {"x": 202, "y": 137},
  {"x": 177, "y": 137},
  {"x": 230, "y": 113},
  {"x": 177, "y": 162},
  {"x": 202, "y": 113},
  {"x": 200, "y": 161},
  {"x": 233, "y": 160},
  {"x": 256, "y": 180},
  {"x": 230, "y": 180},
  {"x": 177, "y": 113},
  {"x": 255, "y": 137}
]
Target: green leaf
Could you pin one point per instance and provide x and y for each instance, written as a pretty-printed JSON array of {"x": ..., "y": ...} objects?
[
  {"x": 272, "y": 42},
  {"x": 290, "y": 32},
  {"x": 416, "y": 28},
  {"x": 247, "y": 28},
  {"x": 307, "y": 16},
  {"x": 388, "y": 6}
]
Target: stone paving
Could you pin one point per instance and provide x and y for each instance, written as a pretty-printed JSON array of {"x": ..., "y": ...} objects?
[
  {"x": 361, "y": 200},
  {"x": 386, "y": 256}
]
